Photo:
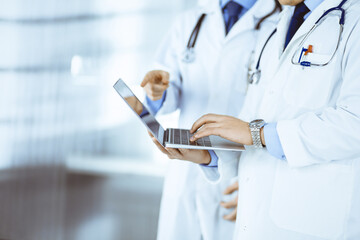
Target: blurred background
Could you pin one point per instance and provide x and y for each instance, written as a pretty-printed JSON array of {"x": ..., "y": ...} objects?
[{"x": 75, "y": 163}]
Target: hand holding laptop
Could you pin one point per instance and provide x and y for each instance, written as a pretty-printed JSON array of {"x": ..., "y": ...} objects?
[
  {"x": 195, "y": 156},
  {"x": 172, "y": 137}
]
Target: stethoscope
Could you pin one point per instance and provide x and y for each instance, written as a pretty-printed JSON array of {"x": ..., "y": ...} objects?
[
  {"x": 255, "y": 75},
  {"x": 305, "y": 63},
  {"x": 189, "y": 53}
]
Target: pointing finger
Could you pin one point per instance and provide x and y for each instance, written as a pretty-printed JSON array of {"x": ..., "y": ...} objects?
[
  {"x": 157, "y": 77},
  {"x": 144, "y": 82}
]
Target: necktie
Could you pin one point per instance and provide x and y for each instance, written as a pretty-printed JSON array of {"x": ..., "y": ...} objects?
[
  {"x": 297, "y": 19},
  {"x": 233, "y": 9}
]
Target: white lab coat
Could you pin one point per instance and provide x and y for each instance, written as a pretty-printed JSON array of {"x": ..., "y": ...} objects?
[
  {"x": 315, "y": 193},
  {"x": 190, "y": 205}
]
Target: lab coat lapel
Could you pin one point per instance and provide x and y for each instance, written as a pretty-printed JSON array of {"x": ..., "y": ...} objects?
[
  {"x": 246, "y": 23},
  {"x": 250, "y": 18},
  {"x": 281, "y": 29},
  {"x": 216, "y": 21},
  {"x": 214, "y": 29}
]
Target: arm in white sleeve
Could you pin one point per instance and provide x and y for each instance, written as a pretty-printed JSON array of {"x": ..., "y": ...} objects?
[{"x": 334, "y": 133}]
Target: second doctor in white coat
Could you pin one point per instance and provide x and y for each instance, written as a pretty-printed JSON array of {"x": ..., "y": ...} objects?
[
  {"x": 310, "y": 189},
  {"x": 190, "y": 207}
]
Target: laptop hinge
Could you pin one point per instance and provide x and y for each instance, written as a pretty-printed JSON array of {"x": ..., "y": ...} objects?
[{"x": 166, "y": 136}]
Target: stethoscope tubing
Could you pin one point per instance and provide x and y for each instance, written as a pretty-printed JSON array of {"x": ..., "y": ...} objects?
[
  {"x": 189, "y": 53},
  {"x": 263, "y": 49},
  {"x": 195, "y": 33},
  {"x": 307, "y": 64}
]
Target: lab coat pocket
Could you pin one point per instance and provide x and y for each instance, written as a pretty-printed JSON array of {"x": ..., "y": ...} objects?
[
  {"x": 317, "y": 58},
  {"x": 314, "y": 200},
  {"x": 309, "y": 87}
]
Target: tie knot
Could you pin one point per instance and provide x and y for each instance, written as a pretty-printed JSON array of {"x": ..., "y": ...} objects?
[
  {"x": 233, "y": 9},
  {"x": 300, "y": 11}
]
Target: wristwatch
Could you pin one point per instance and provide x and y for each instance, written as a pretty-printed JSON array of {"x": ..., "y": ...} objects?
[{"x": 255, "y": 127}]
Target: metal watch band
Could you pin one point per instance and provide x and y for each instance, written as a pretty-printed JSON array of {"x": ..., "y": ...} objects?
[
  {"x": 255, "y": 127},
  {"x": 255, "y": 134}
]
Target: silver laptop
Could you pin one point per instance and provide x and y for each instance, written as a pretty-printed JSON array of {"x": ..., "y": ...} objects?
[{"x": 172, "y": 137}]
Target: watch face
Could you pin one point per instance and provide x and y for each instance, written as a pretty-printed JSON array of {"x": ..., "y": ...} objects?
[{"x": 257, "y": 123}]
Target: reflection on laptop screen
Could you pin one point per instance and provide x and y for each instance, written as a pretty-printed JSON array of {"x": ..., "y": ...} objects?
[{"x": 139, "y": 108}]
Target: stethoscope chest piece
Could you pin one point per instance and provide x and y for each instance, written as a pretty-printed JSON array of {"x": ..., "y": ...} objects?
[
  {"x": 188, "y": 55},
  {"x": 254, "y": 77}
]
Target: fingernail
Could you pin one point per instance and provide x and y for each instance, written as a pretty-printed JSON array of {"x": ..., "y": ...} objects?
[{"x": 192, "y": 139}]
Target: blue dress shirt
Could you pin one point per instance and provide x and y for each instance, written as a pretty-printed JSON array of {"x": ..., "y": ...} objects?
[
  {"x": 155, "y": 105},
  {"x": 312, "y": 4}
]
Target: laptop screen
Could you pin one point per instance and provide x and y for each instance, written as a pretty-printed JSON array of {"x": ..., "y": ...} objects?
[{"x": 141, "y": 111}]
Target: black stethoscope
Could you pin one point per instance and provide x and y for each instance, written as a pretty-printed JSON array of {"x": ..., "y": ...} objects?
[
  {"x": 301, "y": 60},
  {"x": 189, "y": 53},
  {"x": 255, "y": 75}
]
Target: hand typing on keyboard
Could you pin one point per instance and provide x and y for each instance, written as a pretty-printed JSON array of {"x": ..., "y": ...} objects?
[
  {"x": 191, "y": 155},
  {"x": 181, "y": 136}
]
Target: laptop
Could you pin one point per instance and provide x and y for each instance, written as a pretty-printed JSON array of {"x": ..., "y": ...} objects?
[{"x": 172, "y": 137}]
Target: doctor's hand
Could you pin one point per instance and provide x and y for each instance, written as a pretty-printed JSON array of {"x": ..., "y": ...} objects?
[
  {"x": 191, "y": 155},
  {"x": 231, "y": 204},
  {"x": 155, "y": 83},
  {"x": 227, "y": 127}
]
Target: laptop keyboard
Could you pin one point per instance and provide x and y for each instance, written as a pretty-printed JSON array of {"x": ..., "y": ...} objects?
[{"x": 182, "y": 137}]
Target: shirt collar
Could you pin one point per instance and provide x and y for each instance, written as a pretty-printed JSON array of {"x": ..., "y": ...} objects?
[
  {"x": 312, "y": 4},
  {"x": 247, "y": 4}
]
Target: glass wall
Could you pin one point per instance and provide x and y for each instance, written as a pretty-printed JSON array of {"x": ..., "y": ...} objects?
[{"x": 75, "y": 163}]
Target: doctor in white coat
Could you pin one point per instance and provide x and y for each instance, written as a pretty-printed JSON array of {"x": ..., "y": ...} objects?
[
  {"x": 190, "y": 207},
  {"x": 302, "y": 180}
]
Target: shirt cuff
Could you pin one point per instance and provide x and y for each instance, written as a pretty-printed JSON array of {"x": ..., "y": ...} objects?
[
  {"x": 214, "y": 160},
  {"x": 272, "y": 140},
  {"x": 155, "y": 105}
]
